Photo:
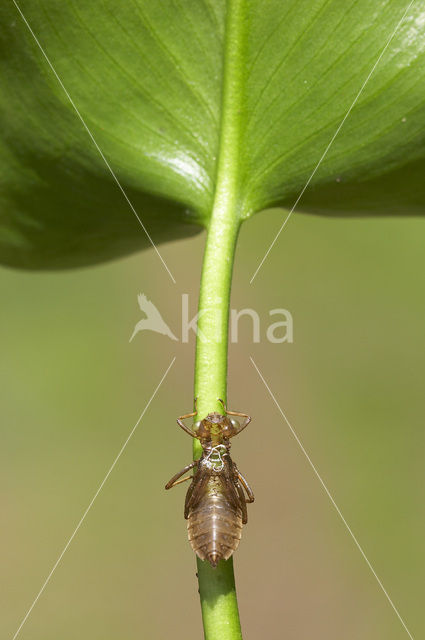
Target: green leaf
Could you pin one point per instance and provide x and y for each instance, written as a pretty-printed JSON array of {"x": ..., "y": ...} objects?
[{"x": 147, "y": 78}]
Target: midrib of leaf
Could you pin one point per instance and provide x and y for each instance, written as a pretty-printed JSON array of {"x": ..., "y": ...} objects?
[{"x": 216, "y": 586}]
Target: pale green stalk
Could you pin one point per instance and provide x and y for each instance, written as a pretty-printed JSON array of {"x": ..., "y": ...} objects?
[{"x": 217, "y": 586}]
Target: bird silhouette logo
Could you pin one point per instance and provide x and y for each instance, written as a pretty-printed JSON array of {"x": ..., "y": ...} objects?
[{"x": 153, "y": 320}]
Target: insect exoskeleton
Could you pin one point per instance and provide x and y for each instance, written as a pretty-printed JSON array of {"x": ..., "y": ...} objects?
[{"x": 215, "y": 505}]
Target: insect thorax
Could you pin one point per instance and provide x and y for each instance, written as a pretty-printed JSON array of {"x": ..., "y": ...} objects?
[{"x": 213, "y": 458}]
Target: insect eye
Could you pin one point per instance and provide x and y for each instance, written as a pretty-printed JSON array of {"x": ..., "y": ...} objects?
[
  {"x": 202, "y": 430},
  {"x": 235, "y": 423}
]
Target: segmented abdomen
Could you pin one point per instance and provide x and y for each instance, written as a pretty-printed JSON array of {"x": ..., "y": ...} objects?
[{"x": 214, "y": 526}]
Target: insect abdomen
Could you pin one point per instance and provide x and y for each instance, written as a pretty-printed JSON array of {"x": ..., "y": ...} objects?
[{"x": 214, "y": 526}]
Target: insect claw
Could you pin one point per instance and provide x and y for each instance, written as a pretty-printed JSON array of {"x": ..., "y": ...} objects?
[{"x": 222, "y": 402}]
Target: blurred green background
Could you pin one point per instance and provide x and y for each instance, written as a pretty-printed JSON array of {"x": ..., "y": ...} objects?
[{"x": 72, "y": 388}]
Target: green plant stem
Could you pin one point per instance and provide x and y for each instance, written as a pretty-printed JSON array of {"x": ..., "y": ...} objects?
[{"x": 217, "y": 586}]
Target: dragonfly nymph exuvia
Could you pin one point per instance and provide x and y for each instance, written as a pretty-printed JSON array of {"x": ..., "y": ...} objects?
[{"x": 215, "y": 505}]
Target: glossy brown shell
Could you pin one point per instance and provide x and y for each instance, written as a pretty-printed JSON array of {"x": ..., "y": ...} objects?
[
  {"x": 215, "y": 523},
  {"x": 215, "y": 504}
]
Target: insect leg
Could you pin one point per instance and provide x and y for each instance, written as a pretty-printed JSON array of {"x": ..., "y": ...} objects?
[
  {"x": 184, "y": 417},
  {"x": 171, "y": 483},
  {"x": 182, "y": 480},
  {"x": 194, "y": 492},
  {"x": 246, "y": 486}
]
